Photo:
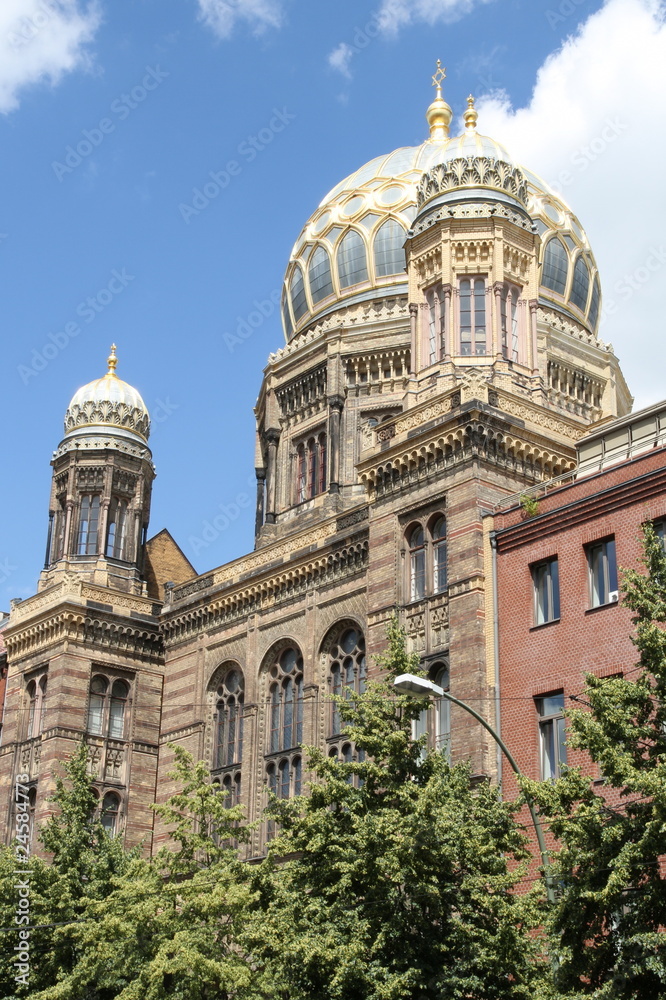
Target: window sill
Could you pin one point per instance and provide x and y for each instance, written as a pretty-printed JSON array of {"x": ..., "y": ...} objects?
[
  {"x": 600, "y": 607},
  {"x": 553, "y": 621}
]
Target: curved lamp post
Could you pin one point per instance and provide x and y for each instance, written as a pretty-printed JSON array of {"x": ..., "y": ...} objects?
[{"x": 420, "y": 687}]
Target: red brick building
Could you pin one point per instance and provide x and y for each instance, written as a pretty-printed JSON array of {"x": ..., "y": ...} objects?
[{"x": 558, "y": 610}]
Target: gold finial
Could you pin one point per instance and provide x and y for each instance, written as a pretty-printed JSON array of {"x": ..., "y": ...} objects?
[
  {"x": 471, "y": 116},
  {"x": 439, "y": 114},
  {"x": 112, "y": 361}
]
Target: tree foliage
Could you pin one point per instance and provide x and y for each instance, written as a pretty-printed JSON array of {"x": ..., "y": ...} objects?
[{"x": 608, "y": 924}]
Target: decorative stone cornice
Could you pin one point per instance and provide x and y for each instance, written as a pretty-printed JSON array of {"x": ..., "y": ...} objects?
[
  {"x": 318, "y": 570},
  {"x": 69, "y": 623}
]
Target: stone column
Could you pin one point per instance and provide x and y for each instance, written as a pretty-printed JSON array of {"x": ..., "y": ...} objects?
[
  {"x": 261, "y": 489},
  {"x": 49, "y": 541},
  {"x": 415, "y": 331},
  {"x": 67, "y": 541},
  {"x": 272, "y": 440},
  {"x": 533, "y": 338},
  {"x": 335, "y": 404}
]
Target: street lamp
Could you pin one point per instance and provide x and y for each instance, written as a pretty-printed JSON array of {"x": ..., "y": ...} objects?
[{"x": 420, "y": 687}]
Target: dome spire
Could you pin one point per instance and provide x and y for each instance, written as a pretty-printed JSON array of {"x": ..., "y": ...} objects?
[
  {"x": 471, "y": 116},
  {"x": 112, "y": 361},
  {"x": 439, "y": 114}
]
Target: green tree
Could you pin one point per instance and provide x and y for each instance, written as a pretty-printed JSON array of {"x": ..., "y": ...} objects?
[
  {"x": 84, "y": 860},
  {"x": 395, "y": 877},
  {"x": 169, "y": 927},
  {"x": 608, "y": 924}
]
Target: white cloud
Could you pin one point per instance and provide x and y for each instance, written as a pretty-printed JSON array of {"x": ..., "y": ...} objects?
[
  {"x": 222, "y": 15},
  {"x": 42, "y": 40},
  {"x": 340, "y": 59},
  {"x": 595, "y": 129},
  {"x": 396, "y": 14}
]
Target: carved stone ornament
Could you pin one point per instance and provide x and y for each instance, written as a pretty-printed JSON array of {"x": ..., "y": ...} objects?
[{"x": 472, "y": 171}]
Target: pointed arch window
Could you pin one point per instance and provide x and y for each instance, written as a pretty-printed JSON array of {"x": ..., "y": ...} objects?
[
  {"x": 319, "y": 275},
  {"x": 117, "y": 529},
  {"x": 286, "y": 701},
  {"x": 352, "y": 260},
  {"x": 229, "y": 721},
  {"x": 88, "y": 525},
  {"x": 472, "y": 293},
  {"x": 389, "y": 249},
  {"x": 581, "y": 284},
  {"x": 347, "y": 672},
  {"x": 555, "y": 266},
  {"x": 298, "y": 300}
]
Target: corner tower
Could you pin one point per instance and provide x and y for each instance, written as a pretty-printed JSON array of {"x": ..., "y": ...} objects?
[{"x": 100, "y": 495}]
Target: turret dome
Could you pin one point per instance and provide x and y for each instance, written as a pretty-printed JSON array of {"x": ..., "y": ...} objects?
[{"x": 109, "y": 406}]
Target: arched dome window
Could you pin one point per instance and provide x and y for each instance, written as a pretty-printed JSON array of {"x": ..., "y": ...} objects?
[
  {"x": 286, "y": 319},
  {"x": 581, "y": 284},
  {"x": 352, "y": 260},
  {"x": 319, "y": 275},
  {"x": 389, "y": 252},
  {"x": 298, "y": 301},
  {"x": 555, "y": 266},
  {"x": 594, "y": 304}
]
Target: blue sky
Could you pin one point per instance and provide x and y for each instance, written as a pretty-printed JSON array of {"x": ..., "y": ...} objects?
[{"x": 169, "y": 91}]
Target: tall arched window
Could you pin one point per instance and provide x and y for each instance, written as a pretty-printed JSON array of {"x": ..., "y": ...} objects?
[
  {"x": 301, "y": 481},
  {"x": 509, "y": 321},
  {"x": 58, "y": 545},
  {"x": 321, "y": 447},
  {"x": 472, "y": 316},
  {"x": 389, "y": 252},
  {"x": 555, "y": 266},
  {"x": 442, "y": 711},
  {"x": 229, "y": 728},
  {"x": 319, "y": 275},
  {"x": 417, "y": 562},
  {"x": 581, "y": 284},
  {"x": 88, "y": 525},
  {"x": 352, "y": 260},
  {"x": 231, "y": 786},
  {"x": 438, "y": 537},
  {"x": 435, "y": 324},
  {"x": 111, "y": 813},
  {"x": 347, "y": 671},
  {"x": 117, "y": 705},
  {"x": 298, "y": 300},
  {"x": 36, "y": 691},
  {"x": 117, "y": 529},
  {"x": 286, "y": 701},
  {"x": 593, "y": 315},
  {"x": 107, "y": 707},
  {"x": 311, "y": 468}
]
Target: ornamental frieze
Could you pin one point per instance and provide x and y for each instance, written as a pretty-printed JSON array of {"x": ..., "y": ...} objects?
[{"x": 472, "y": 171}]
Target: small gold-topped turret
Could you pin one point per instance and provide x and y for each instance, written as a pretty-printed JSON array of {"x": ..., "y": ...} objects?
[
  {"x": 471, "y": 116},
  {"x": 439, "y": 114},
  {"x": 112, "y": 361}
]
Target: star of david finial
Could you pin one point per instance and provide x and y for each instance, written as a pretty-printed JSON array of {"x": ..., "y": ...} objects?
[{"x": 438, "y": 76}]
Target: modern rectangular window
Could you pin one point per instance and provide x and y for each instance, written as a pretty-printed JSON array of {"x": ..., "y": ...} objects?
[
  {"x": 552, "y": 735},
  {"x": 472, "y": 316},
  {"x": 546, "y": 580},
  {"x": 602, "y": 570}
]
